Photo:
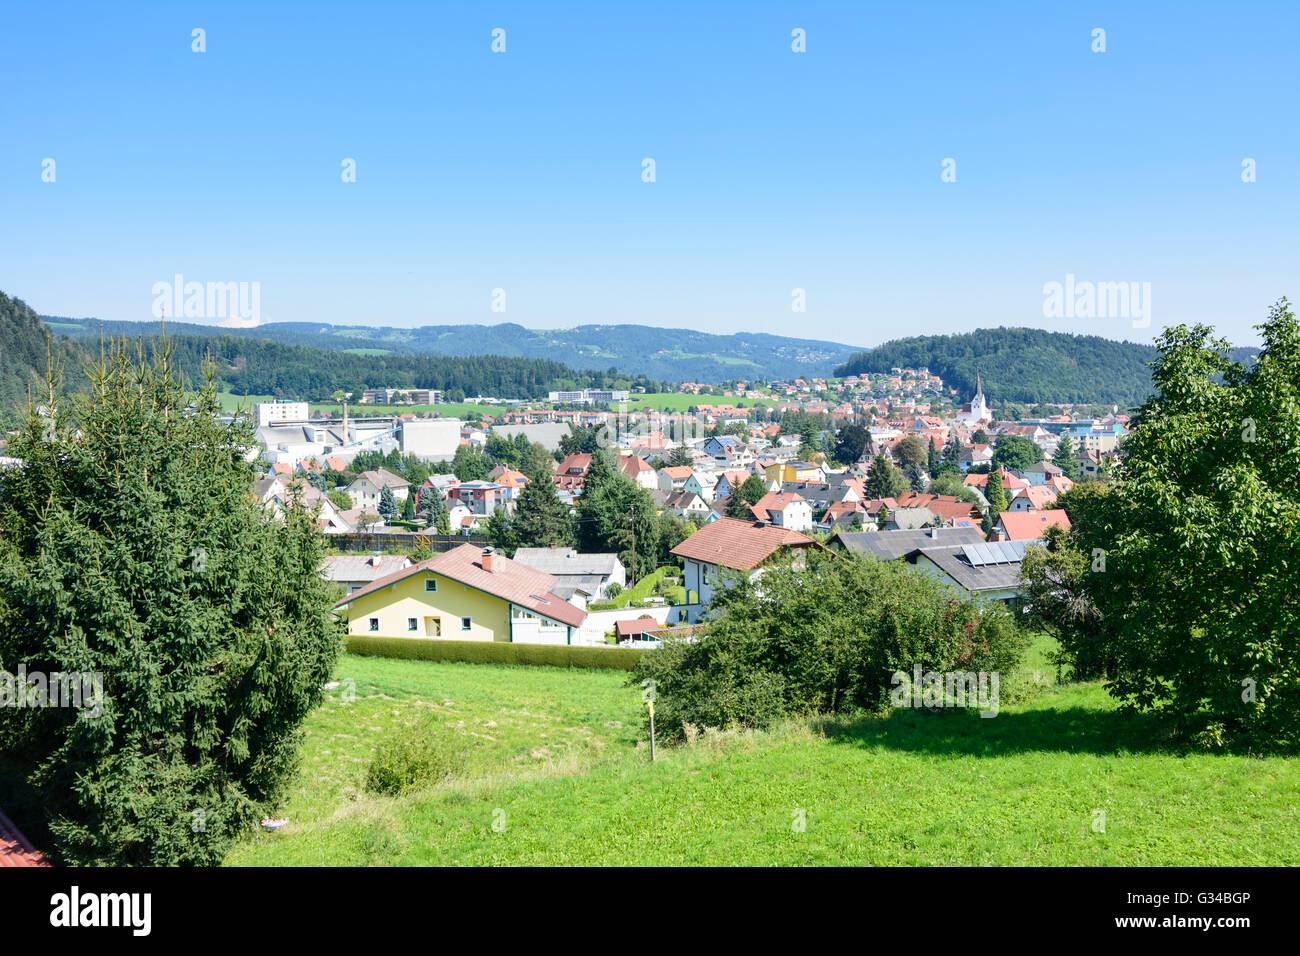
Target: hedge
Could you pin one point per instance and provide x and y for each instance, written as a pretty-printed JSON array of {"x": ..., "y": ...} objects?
[{"x": 495, "y": 652}]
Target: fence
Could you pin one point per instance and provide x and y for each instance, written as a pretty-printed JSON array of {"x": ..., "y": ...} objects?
[{"x": 402, "y": 540}]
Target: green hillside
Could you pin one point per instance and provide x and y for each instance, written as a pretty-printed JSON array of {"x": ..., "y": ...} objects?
[
  {"x": 674, "y": 355},
  {"x": 24, "y": 355},
  {"x": 1024, "y": 365}
]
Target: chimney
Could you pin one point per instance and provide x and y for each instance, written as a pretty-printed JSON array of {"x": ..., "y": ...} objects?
[{"x": 487, "y": 559}]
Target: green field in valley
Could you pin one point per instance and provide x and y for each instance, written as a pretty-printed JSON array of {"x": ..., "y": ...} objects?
[
  {"x": 675, "y": 402},
  {"x": 558, "y": 772}
]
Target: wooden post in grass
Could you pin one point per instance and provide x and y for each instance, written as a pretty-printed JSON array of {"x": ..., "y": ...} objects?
[{"x": 651, "y": 705}]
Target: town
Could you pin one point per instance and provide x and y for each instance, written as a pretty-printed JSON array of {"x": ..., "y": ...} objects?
[{"x": 896, "y": 465}]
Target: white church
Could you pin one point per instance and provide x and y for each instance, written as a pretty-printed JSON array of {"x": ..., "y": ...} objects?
[{"x": 976, "y": 411}]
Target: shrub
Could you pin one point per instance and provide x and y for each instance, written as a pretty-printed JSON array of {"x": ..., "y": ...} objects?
[
  {"x": 823, "y": 640},
  {"x": 495, "y": 652},
  {"x": 412, "y": 759}
]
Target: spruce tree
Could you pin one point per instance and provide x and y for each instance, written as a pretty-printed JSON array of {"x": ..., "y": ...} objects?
[
  {"x": 753, "y": 489},
  {"x": 738, "y": 506},
  {"x": 1064, "y": 458},
  {"x": 387, "y": 504},
  {"x": 133, "y": 550},
  {"x": 541, "y": 519}
]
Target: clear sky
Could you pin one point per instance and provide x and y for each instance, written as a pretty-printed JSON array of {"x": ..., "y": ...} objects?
[{"x": 774, "y": 170}]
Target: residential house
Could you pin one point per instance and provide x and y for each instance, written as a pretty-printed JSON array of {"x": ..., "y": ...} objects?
[
  {"x": 890, "y": 545},
  {"x": 1033, "y": 498},
  {"x": 794, "y": 471},
  {"x": 367, "y": 488},
  {"x": 510, "y": 482},
  {"x": 480, "y": 497},
  {"x": 730, "y": 481},
  {"x": 572, "y": 473},
  {"x": 686, "y": 504},
  {"x": 580, "y": 576},
  {"x": 784, "y": 510},
  {"x": 639, "y": 470},
  {"x": 729, "y": 544},
  {"x": 355, "y": 571},
  {"x": 988, "y": 570},
  {"x": 679, "y": 478},
  {"x": 974, "y": 456},
  {"x": 1028, "y": 525},
  {"x": 467, "y": 593}
]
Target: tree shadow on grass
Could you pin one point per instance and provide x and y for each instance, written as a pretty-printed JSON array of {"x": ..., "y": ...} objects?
[{"x": 962, "y": 732}]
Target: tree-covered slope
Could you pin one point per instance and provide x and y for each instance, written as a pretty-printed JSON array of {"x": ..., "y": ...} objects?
[
  {"x": 24, "y": 356},
  {"x": 674, "y": 355},
  {"x": 1024, "y": 365}
]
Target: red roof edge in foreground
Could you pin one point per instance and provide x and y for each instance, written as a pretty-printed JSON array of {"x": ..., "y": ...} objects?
[{"x": 16, "y": 849}]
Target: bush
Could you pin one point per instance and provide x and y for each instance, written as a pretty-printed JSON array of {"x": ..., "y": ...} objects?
[
  {"x": 496, "y": 652},
  {"x": 823, "y": 640},
  {"x": 412, "y": 759}
]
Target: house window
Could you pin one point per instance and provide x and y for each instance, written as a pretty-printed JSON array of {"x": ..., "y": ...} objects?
[
  {"x": 430, "y": 584},
  {"x": 466, "y": 623},
  {"x": 374, "y": 623},
  {"x": 412, "y": 623}
]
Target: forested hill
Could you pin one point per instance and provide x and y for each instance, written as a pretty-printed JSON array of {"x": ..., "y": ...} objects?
[
  {"x": 256, "y": 367},
  {"x": 24, "y": 357},
  {"x": 673, "y": 355},
  {"x": 1025, "y": 365}
]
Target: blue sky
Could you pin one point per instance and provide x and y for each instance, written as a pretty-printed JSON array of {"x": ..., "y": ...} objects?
[{"x": 775, "y": 170}]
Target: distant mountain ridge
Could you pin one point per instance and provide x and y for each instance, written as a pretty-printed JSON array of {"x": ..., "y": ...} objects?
[{"x": 666, "y": 354}]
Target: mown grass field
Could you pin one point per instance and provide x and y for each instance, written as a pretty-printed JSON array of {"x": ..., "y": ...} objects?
[
  {"x": 675, "y": 402},
  {"x": 558, "y": 773}
]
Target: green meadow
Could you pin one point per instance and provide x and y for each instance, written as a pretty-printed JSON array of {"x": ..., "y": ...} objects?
[{"x": 557, "y": 771}]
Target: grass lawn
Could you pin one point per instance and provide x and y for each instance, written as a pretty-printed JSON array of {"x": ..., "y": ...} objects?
[
  {"x": 231, "y": 402},
  {"x": 557, "y": 763},
  {"x": 674, "y": 402},
  {"x": 448, "y": 410},
  {"x": 643, "y": 589}
]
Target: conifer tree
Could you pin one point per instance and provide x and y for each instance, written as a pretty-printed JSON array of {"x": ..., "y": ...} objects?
[{"x": 134, "y": 551}]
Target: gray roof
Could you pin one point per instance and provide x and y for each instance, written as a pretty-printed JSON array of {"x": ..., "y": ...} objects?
[
  {"x": 546, "y": 434},
  {"x": 570, "y": 584},
  {"x": 362, "y": 567},
  {"x": 567, "y": 563},
  {"x": 978, "y": 567},
  {"x": 908, "y": 519},
  {"x": 896, "y": 544}
]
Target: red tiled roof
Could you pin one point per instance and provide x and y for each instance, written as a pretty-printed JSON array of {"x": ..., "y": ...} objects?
[
  {"x": 15, "y": 849},
  {"x": 1027, "y": 525},
  {"x": 508, "y": 580},
  {"x": 639, "y": 626},
  {"x": 774, "y": 501},
  {"x": 633, "y": 465},
  {"x": 732, "y": 543}
]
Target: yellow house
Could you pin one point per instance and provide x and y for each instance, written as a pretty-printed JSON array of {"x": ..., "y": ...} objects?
[
  {"x": 465, "y": 594},
  {"x": 794, "y": 471}
]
